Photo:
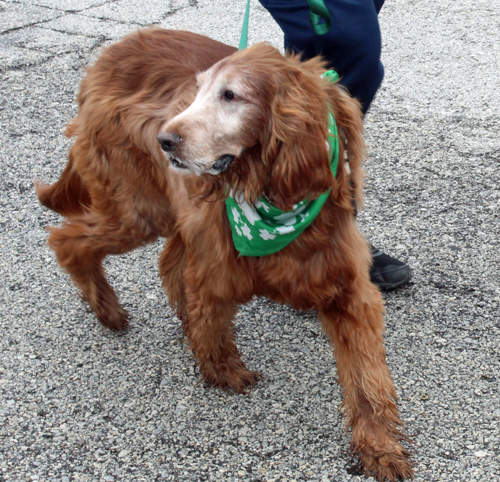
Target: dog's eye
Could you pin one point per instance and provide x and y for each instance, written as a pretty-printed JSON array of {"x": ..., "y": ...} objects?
[{"x": 229, "y": 95}]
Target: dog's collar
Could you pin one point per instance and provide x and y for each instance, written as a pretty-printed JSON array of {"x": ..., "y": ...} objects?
[{"x": 262, "y": 229}]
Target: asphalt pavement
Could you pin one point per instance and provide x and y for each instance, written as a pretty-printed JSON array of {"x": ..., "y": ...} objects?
[{"x": 80, "y": 403}]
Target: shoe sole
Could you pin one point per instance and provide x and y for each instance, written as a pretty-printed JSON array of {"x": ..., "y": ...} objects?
[{"x": 394, "y": 286}]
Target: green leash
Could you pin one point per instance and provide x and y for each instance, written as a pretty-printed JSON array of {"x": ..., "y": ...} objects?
[
  {"x": 244, "y": 29},
  {"x": 262, "y": 229},
  {"x": 317, "y": 12}
]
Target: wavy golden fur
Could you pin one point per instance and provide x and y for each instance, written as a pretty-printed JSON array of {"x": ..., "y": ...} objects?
[{"x": 118, "y": 191}]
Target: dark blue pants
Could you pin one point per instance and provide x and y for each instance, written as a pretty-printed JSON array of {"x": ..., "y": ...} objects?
[{"x": 352, "y": 46}]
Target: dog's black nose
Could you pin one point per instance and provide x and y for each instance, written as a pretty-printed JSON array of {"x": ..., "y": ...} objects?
[
  {"x": 168, "y": 140},
  {"x": 223, "y": 162}
]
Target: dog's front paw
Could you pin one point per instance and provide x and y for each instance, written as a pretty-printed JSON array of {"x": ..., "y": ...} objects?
[
  {"x": 116, "y": 320},
  {"x": 230, "y": 376},
  {"x": 389, "y": 467},
  {"x": 109, "y": 312}
]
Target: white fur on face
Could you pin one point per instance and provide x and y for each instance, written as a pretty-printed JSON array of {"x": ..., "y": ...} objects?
[{"x": 214, "y": 124}]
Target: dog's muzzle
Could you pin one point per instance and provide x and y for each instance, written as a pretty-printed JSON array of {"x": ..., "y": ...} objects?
[{"x": 223, "y": 162}]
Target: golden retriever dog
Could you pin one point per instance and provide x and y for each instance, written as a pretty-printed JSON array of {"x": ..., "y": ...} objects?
[{"x": 169, "y": 125}]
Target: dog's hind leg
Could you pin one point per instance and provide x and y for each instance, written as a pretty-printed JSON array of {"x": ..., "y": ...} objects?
[
  {"x": 355, "y": 325},
  {"x": 80, "y": 245}
]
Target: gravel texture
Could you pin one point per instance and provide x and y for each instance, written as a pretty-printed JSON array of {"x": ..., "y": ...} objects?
[{"x": 79, "y": 403}]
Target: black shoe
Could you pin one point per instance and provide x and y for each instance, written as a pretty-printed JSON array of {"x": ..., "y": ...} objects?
[{"x": 388, "y": 273}]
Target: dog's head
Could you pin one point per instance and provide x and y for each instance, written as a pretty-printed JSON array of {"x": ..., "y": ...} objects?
[{"x": 258, "y": 124}]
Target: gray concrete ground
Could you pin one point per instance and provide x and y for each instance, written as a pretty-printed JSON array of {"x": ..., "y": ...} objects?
[{"x": 81, "y": 403}]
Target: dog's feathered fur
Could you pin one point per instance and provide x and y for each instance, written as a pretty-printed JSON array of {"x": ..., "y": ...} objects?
[{"x": 118, "y": 192}]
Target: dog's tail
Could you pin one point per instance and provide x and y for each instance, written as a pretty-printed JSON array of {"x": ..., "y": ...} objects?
[{"x": 67, "y": 196}]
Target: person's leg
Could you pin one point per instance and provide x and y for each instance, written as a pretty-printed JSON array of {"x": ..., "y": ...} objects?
[
  {"x": 378, "y": 5},
  {"x": 352, "y": 47}
]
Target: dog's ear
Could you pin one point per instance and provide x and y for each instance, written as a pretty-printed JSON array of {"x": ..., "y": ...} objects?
[{"x": 295, "y": 148}]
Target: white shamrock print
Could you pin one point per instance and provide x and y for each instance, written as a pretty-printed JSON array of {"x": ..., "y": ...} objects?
[
  {"x": 246, "y": 232},
  {"x": 249, "y": 212},
  {"x": 236, "y": 215},
  {"x": 261, "y": 205},
  {"x": 285, "y": 229},
  {"x": 304, "y": 216},
  {"x": 265, "y": 235}
]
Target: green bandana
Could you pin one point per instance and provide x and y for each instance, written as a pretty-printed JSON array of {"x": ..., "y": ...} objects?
[{"x": 262, "y": 229}]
